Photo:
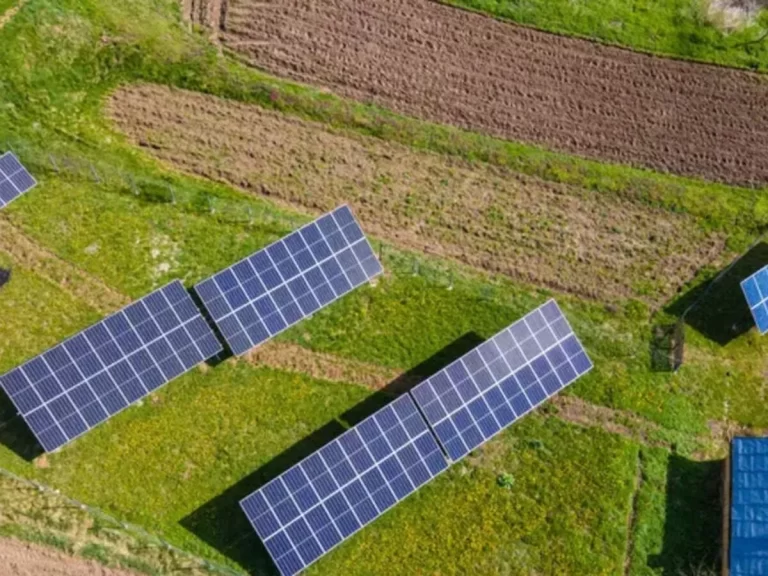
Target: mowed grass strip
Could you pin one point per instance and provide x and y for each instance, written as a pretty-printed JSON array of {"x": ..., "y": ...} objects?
[{"x": 136, "y": 245}]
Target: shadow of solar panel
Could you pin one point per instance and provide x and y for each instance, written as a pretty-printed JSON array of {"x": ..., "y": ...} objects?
[
  {"x": 277, "y": 287},
  {"x": 330, "y": 495},
  {"x": 14, "y": 179},
  {"x": 501, "y": 380},
  {"x": 78, "y": 384},
  {"x": 755, "y": 290}
]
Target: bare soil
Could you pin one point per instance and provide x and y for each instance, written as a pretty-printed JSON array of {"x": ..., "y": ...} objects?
[
  {"x": 562, "y": 237},
  {"x": 23, "y": 559},
  {"x": 447, "y": 65}
]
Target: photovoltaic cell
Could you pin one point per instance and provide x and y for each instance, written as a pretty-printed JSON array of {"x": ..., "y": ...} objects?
[
  {"x": 14, "y": 179},
  {"x": 278, "y": 286},
  {"x": 327, "y": 497},
  {"x": 755, "y": 290},
  {"x": 78, "y": 384},
  {"x": 501, "y": 380}
]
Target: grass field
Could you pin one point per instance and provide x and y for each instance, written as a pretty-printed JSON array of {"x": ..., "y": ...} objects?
[
  {"x": 178, "y": 463},
  {"x": 681, "y": 28}
]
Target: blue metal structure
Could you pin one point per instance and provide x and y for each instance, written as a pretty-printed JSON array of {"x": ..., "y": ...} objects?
[{"x": 749, "y": 507}]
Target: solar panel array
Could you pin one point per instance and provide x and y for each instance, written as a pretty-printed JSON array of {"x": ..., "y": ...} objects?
[
  {"x": 311, "y": 508},
  {"x": 289, "y": 280},
  {"x": 14, "y": 179},
  {"x": 501, "y": 380},
  {"x": 78, "y": 384},
  {"x": 308, "y": 510},
  {"x": 755, "y": 290}
]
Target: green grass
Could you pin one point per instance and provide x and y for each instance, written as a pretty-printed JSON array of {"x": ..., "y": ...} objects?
[
  {"x": 138, "y": 469},
  {"x": 680, "y": 28},
  {"x": 28, "y": 296}
]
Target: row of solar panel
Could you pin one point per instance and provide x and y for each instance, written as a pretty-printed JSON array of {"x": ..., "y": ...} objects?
[
  {"x": 316, "y": 504},
  {"x": 78, "y": 384}
]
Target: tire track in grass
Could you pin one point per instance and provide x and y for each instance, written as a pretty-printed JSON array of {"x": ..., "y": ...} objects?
[
  {"x": 8, "y": 15},
  {"x": 83, "y": 286},
  {"x": 632, "y": 517},
  {"x": 295, "y": 358}
]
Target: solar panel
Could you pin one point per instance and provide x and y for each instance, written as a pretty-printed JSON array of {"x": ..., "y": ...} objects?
[
  {"x": 501, "y": 380},
  {"x": 755, "y": 290},
  {"x": 14, "y": 179},
  {"x": 78, "y": 384},
  {"x": 287, "y": 281},
  {"x": 327, "y": 497}
]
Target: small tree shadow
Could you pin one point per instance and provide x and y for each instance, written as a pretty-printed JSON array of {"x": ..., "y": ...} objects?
[
  {"x": 693, "y": 521},
  {"x": 220, "y": 522},
  {"x": 717, "y": 308}
]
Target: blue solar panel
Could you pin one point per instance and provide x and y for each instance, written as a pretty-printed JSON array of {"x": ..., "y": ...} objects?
[
  {"x": 78, "y": 384},
  {"x": 14, "y": 179},
  {"x": 289, "y": 280},
  {"x": 327, "y": 497},
  {"x": 501, "y": 380},
  {"x": 755, "y": 290}
]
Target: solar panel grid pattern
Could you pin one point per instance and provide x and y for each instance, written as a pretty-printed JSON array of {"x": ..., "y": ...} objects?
[
  {"x": 276, "y": 287},
  {"x": 78, "y": 384},
  {"x": 14, "y": 179},
  {"x": 501, "y": 380},
  {"x": 755, "y": 290},
  {"x": 327, "y": 497}
]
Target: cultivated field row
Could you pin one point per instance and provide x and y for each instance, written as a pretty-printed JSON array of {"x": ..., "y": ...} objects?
[
  {"x": 564, "y": 237},
  {"x": 436, "y": 62}
]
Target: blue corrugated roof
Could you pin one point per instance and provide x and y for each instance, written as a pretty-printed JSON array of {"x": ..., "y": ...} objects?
[{"x": 749, "y": 507}]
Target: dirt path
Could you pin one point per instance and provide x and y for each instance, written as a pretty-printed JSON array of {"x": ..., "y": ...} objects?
[
  {"x": 447, "y": 65},
  {"x": 22, "y": 559},
  {"x": 6, "y": 16},
  {"x": 563, "y": 237}
]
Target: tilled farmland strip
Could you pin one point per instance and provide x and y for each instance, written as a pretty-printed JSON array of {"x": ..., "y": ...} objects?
[
  {"x": 569, "y": 239},
  {"x": 452, "y": 66}
]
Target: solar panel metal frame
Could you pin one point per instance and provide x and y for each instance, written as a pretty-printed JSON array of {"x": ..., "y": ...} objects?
[
  {"x": 276, "y": 287},
  {"x": 15, "y": 179},
  {"x": 74, "y": 386},
  {"x": 354, "y": 471},
  {"x": 755, "y": 289},
  {"x": 501, "y": 380}
]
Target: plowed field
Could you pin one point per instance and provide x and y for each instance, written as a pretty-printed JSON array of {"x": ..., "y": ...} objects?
[
  {"x": 451, "y": 66},
  {"x": 563, "y": 237}
]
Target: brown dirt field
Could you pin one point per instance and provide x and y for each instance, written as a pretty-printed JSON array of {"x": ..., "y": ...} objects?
[
  {"x": 22, "y": 559},
  {"x": 452, "y": 66},
  {"x": 207, "y": 13},
  {"x": 562, "y": 237}
]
